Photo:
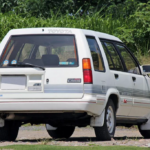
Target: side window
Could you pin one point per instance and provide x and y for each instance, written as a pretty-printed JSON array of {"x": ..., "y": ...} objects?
[
  {"x": 95, "y": 53},
  {"x": 109, "y": 59},
  {"x": 129, "y": 61},
  {"x": 112, "y": 57}
]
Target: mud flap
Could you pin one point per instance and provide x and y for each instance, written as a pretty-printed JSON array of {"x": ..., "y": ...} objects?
[
  {"x": 2, "y": 122},
  {"x": 98, "y": 121},
  {"x": 145, "y": 126},
  {"x": 49, "y": 127}
]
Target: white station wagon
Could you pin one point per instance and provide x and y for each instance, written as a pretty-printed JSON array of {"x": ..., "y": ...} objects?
[{"x": 65, "y": 77}]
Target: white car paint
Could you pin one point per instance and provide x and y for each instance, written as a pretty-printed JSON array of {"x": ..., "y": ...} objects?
[{"x": 84, "y": 101}]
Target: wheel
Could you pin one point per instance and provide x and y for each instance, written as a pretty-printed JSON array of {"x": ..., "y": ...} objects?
[
  {"x": 14, "y": 128},
  {"x": 106, "y": 132},
  {"x": 9, "y": 132},
  {"x": 61, "y": 132},
  {"x": 144, "y": 133}
]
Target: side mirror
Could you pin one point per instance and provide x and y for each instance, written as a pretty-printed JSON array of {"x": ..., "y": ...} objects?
[{"x": 145, "y": 69}]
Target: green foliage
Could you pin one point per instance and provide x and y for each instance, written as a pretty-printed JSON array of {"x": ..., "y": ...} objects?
[
  {"x": 91, "y": 147},
  {"x": 7, "y": 5},
  {"x": 133, "y": 28},
  {"x": 43, "y": 8},
  {"x": 135, "y": 31}
]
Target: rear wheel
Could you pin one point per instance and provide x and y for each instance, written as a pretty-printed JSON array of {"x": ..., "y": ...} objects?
[
  {"x": 10, "y": 131},
  {"x": 106, "y": 132},
  {"x": 61, "y": 132},
  {"x": 144, "y": 133}
]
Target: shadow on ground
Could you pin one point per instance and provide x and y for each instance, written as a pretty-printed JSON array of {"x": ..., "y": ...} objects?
[{"x": 79, "y": 139}]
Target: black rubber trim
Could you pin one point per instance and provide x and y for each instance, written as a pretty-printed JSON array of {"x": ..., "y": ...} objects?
[{"x": 131, "y": 121}]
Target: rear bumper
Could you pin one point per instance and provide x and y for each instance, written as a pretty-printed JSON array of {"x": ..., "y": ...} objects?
[{"x": 87, "y": 104}]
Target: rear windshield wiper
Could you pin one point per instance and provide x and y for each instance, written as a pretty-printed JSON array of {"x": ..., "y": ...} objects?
[{"x": 27, "y": 65}]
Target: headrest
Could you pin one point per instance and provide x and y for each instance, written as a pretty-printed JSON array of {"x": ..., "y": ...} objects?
[{"x": 50, "y": 60}]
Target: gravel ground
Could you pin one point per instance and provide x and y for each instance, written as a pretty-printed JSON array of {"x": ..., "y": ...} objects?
[{"x": 81, "y": 137}]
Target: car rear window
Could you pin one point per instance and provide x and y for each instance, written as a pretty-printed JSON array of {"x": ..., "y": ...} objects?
[{"x": 43, "y": 50}]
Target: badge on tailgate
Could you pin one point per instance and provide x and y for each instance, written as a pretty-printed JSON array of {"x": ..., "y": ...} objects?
[
  {"x": 35, "y": 87},
  {"x": 74, "y": 80}
]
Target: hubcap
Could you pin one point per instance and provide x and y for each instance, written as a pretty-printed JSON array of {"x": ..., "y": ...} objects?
[{"x": 110, "y": 119}]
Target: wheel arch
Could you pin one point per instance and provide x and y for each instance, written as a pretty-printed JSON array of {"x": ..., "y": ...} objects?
[
  {"x": 111, "y": 94},
  {"x": 114, "y": 95}
]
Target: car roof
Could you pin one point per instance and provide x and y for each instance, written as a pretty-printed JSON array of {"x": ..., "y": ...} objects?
[
  {"x": 63, "y": 30},
  {"x": 101, "y": 35}
]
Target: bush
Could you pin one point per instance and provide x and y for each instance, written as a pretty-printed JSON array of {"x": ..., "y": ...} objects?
[{"x": 133, "y": 30}]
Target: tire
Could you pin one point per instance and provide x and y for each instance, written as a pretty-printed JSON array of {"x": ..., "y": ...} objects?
[
  {"x": 103, "y": 133},
  {"x": 144, "y": 133},
  {"x": 61, "y": 132},
  {"x": 9, "y": 132}
]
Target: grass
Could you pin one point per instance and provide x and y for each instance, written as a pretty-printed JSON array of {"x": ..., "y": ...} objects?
[
  {"x": 28, "y": 124},
  {"x": 47, "y": 147},
  {"x": 143, "y": 59},
  {"x": 45, "y": 141}
]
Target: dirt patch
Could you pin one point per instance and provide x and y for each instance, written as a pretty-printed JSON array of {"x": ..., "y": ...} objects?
[{"x": 81, "y": 137}]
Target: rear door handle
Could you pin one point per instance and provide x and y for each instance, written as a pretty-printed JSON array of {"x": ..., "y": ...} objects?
[
  {"x": 116, "y": 76},
  {"x": 134, "y": 79}
]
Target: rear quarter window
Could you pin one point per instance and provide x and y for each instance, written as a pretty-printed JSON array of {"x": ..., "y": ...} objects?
[{"x": 96, "y": 54}]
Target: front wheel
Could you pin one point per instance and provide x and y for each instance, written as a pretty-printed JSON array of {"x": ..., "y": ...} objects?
[
  {"x": 107, "y": 131},
  {"x": 61, "y": 132}
]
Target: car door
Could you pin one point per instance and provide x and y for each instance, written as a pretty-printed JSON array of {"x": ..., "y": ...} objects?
[
  {"x": 140, "y": 87},
  {"x": 122, "y": 80}
]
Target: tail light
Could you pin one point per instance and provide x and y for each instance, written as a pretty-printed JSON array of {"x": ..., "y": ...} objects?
[{"x": 87, "y": 72}]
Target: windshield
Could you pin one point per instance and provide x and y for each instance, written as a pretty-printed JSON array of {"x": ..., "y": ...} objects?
[{"x": 41, "y": 50}]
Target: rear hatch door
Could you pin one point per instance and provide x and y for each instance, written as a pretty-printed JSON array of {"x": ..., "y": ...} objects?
[{"x": 41, "y": 66}]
